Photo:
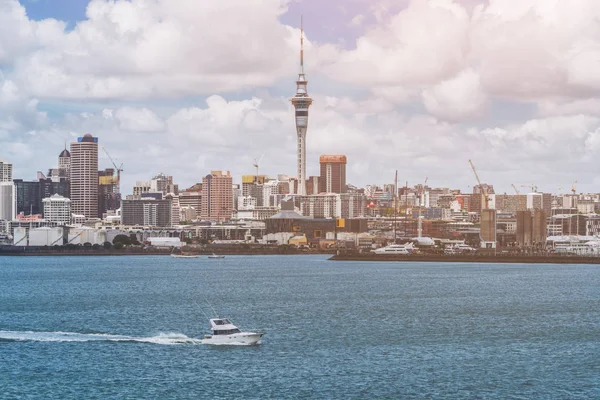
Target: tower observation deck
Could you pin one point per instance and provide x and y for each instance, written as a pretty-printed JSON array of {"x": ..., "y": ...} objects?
[{"x": 301, "y": 102}]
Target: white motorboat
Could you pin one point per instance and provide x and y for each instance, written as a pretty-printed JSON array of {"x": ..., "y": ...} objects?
[
  {"x": 185, "y": 255},
  {"x": 213, "y": 255},
  {"x": 224, "y": 332},
  {"x": 401, "y": 249},
  {"x": 460, "y": 248}
]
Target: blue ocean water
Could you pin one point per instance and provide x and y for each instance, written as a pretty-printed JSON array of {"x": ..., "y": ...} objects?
[{"x": 126, "y": 328}]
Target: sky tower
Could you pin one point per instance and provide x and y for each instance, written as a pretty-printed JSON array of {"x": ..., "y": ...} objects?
[{"x": 301, "y": 102}]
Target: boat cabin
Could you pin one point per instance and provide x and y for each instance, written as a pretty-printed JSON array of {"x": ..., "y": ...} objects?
[{"x": 222, "y": 326}]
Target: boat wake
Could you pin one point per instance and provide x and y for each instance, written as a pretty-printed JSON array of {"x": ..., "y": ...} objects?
[{"x": 31, "y": 336}]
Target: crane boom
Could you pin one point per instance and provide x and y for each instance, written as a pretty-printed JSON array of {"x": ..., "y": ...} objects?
[
  {"x": 119, "y": 170},
  {"x": 484, "y": 193},
  {"x": 516, "y": 190}
]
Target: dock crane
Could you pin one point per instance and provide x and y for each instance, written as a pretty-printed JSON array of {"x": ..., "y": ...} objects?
[
  {"x": 515, "y": 188},
  {"x": 119, "y": 170}
]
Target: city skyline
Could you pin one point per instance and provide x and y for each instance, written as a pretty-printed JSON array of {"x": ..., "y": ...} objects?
[{"x": 525, "y": 115}]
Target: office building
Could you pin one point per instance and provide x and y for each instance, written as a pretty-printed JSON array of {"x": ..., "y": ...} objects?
[
  {"x": 29, "y": 194},
  {"x": 57, "y": 209},
  {"x": 5, "y": 171},
  {"x": 333, "y": 174},
  {"x": 7, "y": 201},
  {"x": 146, "y": 212},
  {"x": 109, "y": 198},
  {"x": 84, "y": 176},
  {"x": 64, "y": 163},
  {"x": 217, "y": 196}
]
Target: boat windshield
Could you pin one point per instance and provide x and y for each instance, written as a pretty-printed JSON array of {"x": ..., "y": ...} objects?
[
  {"x": 225, "y": 331},
  {"x": 221, "y": 321}
]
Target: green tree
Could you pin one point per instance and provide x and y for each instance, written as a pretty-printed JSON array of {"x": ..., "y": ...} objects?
[{"x": 124, "y": 240}]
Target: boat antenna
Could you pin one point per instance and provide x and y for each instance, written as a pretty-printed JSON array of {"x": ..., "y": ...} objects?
[
  {"x": 211, "y": 307},
  {"x": 201, "y": 309}
]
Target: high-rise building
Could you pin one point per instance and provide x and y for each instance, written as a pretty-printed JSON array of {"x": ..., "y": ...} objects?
[
  {"x": 84, "y": 176},
  {"x": 146, "y": 212},
  {"x": 57, "y": 209},
  {"x": 64, "y": 163},
  {"x": 30, "y": 194},
  {"x": 5, "y": 171},
  {"x": 7, "y": 202},
  {"x": 217, "y": 196},
  {"x": 301, "y": 102},
  {"x": 109, "y": 198},
  {"x": 7, "y": 195},
  {"x": 333, "y": 174}
]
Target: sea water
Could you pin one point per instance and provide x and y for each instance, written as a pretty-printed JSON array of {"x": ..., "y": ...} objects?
[{"x": 130, "y": 328}]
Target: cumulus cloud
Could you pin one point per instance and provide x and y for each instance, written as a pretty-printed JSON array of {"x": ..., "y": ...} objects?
[
  {"x": 456, "y": 99},
  {"x": 139, "y": 48},
  {"x": 527, "y": 51},
  {"x": 139, "y": 120}
]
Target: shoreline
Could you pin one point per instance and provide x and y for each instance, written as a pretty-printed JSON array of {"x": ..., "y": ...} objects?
[{"x": 494, "y": 259}]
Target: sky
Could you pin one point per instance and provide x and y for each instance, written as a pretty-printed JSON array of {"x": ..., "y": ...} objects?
[{"x": 184, "y": 87}]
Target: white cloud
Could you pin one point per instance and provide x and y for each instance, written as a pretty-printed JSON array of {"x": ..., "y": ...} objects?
[
  {"x": 456, "y": 99},
  {"x": 526, "y": 51},
  {"x": 139, "y": 120},
  {"x": 133, "y": 49}
]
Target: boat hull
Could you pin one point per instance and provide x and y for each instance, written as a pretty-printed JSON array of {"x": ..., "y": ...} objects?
[{"x": 242, "y": 338}]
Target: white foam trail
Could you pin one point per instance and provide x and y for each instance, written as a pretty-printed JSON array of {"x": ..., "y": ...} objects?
[{"x": 31, "y": 336}]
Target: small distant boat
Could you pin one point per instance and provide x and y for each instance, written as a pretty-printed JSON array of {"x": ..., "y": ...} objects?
[
  {"x": 213, "y": 255},
  {"x": 185, "y": 255},
  {"x": 224, "y": 332}
]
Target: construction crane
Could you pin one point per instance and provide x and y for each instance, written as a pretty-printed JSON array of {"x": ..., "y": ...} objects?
[
  {"x": 515, "y": 188},
  {"x": 119, "y": 170},
  {"x": 421, "y": 205},
  {"x": 484, "y": 194},
  {"x": 532, "y": 187},
  {"x": 574, "y": 188},
  {"x": 257, "y": 163}
]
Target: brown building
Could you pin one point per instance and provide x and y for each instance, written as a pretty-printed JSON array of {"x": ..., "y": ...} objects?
[
  {"x": 84, "y": 176},
  {"x": 217, "y": 196},
  {"x": 333, "y": 174},
  {"x": 531, "y": 227},
  {"x": 312, "y": 185}
]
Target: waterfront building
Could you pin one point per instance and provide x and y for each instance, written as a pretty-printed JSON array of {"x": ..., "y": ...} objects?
[
  {"x": 301, "y": 102},
  {"x": 84, "y": 176},
  {"x": 146, "y": 212},
  {"x": 191, "y": 199},
  {"x": 6, "y": 171},
  {"x": 333, "y": 174},
  {"x": 333, "y": 205},
  {"x": 217, "y": 196},
  {"x": 57, "y": 209},
  {"x": 29, "y": 194},
  {"x": 8, "y": 209}
]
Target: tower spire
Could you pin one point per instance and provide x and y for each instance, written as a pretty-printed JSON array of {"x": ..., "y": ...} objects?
[{"x": 302, "y": 44}]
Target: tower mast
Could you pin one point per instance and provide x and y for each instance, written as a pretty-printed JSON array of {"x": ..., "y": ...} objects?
[{"x": 301, "y": 102}]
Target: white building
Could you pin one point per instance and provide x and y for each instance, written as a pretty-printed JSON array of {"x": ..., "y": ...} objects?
[
  {"x": 57, "y": 209},
  {"x": 247, "y": 203},
  {"x": 8, "y": 201},
  {"x": 333, "y": 205},
  {"x": 5, "y": 171}
]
